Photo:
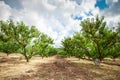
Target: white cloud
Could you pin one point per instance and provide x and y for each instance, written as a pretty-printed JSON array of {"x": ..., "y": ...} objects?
[
  {"x": 88, "y": 5},
  {"x": 112, "y": 14},
  {"x": 5, "y": 11},
  {"x": 111, "y": 1},
  {"x": 53, "y": 17},
  {"x": 114, "y": 8}
]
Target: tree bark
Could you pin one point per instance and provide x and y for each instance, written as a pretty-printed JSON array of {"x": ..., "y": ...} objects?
[{"x": 25, "y": 55}]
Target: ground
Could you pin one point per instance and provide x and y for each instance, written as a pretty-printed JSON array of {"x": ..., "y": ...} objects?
[{"x": 13, "y": 67}]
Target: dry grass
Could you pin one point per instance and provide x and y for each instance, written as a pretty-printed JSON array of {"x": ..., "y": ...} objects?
[{"x": 56, "y": 69}]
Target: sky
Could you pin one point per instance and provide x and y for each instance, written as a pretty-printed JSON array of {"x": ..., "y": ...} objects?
[{"x": 59, "y": 18}]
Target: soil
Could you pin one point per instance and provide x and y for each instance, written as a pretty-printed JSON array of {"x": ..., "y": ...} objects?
[{"x": 55, "y": 68}]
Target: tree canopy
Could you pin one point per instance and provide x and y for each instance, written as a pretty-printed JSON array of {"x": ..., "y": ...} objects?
[
  {"x": 95, "y": 40},
  {"x": 22, "y": 36}
]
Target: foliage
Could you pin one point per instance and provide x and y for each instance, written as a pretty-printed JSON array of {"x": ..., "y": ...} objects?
[
  {"x": 42, "y": 44},
  {"x": 9, "y": 47},
  {"x": 7, "y": 44},
  {"x": 94, "y": 41},
  {"x": 24, "y": 36}
]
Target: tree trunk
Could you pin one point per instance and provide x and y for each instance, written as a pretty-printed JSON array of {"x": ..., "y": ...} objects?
[
  {"x": 42, "y": 57},
  {"x": 98, "y": 50},
  {"x": 7, "y": 54},
  {"x": 27, "y": 59},
  {"x": 78, "y": 58},
  {"x": 25, "y": 55},
  {"x": 100, "y": 58}
]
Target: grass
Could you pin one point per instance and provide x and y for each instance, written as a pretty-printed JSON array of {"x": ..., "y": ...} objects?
[{"x": 56, "y": 69}]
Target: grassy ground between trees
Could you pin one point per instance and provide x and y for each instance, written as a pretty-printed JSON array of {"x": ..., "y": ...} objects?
[{"x": 13, "y": 67}]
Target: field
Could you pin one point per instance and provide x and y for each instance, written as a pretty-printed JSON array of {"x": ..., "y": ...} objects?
[{"x": 14, "y": 67}]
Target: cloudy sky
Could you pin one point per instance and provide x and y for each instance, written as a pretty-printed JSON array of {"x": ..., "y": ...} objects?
[{"x": 59, "y": 18}]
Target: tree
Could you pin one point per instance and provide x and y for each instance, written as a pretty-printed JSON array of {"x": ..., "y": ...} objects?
[
  {"x": 51, "y": 51},
  {"x": 72, "y": 47},
  {"x": 101, "y": 37},
  {"x": 9, "y": 47},
  {"x": 95, "y": 40},
  {"x": 114, "y": 52},
  {"x": 21, "y": 34},
  {"x": 30, "y": 40},
  {"x": 42, "y": 45},
  {"x": 7, "y": 44},
  {"x": 66, "y": 46},
  {"x": 82, "y": 45}
]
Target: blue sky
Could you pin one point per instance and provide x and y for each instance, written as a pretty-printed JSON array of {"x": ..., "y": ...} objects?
[
  {"x": 101, "y": 4},
  {"x": 13, "y": 3},
  {"x": 59, "y": 18}
]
